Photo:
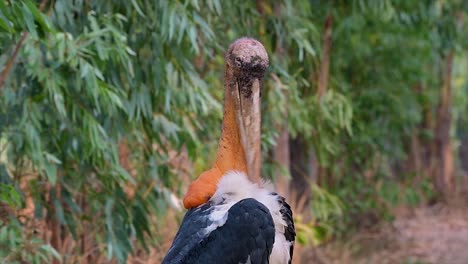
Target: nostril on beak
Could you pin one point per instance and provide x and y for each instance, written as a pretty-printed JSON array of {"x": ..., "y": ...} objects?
[{"x": 238, "y": 62}]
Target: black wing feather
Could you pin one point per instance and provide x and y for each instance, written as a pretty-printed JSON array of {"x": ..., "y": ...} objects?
[
  {"x": 290, "y": 231},
  {"x": 189, "y": 234},
  {"x": 249, "y": 232}
]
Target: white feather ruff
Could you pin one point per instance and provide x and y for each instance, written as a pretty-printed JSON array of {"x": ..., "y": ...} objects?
[{"x": 233, "y": 187}]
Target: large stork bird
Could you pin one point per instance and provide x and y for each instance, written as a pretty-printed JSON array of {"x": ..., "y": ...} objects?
[{"x": 232, "y": 218}]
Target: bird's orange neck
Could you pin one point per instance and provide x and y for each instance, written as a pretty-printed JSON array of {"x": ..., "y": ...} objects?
[{"x": 230, "y": 156}]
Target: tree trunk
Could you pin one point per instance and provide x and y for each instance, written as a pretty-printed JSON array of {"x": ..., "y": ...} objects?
[
  {"x": 443, "y": 163},
  {"x": 281, "y": 151},
  {"x": 300, "y": 173},
  {"x": 325, "y": 64},
  {"x": 419, "y": 148},
  {"x": 52, "y": 220},
  {"x": 463, "y": 153},
  {"x": 323, "y": 77},
  {"x": 281, "y": 157},
  {"x": 463, "y": 157}
]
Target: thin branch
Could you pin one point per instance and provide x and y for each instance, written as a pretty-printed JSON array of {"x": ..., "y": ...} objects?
[
  {"x": 11, "y": 60},
  {"x": 325, "y": 65}
]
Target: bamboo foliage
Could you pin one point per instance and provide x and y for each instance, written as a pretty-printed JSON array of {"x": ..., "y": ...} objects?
[{"x": 82, "y": 80}]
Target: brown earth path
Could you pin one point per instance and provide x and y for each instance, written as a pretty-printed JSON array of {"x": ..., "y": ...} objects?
[{"x": 436, "y": 234}]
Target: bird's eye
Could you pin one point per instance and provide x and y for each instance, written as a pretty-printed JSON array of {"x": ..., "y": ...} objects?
[{"x": 238, "y": 62}]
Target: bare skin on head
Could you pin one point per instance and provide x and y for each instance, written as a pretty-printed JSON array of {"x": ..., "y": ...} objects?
[{"x": 239, "y": 145}]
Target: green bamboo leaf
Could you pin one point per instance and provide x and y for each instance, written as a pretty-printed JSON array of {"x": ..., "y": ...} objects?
[
  {"x": 51, "y": 172},
  {"x": 37, "y": 15},
  {"x": 52, "y": 158},
  {"x": 10, "y": 195},
  {"x": 4, "y": 24},
  {"x": 29, "y": 20},
  {"x": 5, "y": 11},
  {"x": 59, "y": 213},
  {"x": 50, "y": 250},
  {"x": 125, "y": 175},
  {"x": 137, "y": 8}
]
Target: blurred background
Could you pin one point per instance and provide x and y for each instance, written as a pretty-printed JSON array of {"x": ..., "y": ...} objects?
[{"x": 108, "y": 109}]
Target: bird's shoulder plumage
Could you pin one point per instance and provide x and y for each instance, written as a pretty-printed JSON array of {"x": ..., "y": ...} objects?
[
  {"x": 246, "y": 236},
  {"x": 241, "y": 223}
]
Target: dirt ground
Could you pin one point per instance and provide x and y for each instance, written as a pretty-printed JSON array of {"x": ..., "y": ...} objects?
[{"x": 436, "y": 234}]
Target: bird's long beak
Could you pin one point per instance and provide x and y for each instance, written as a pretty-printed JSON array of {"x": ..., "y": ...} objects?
[
  {"x": 247, "y": 104},
  {"x": 239, "y": 145}
]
